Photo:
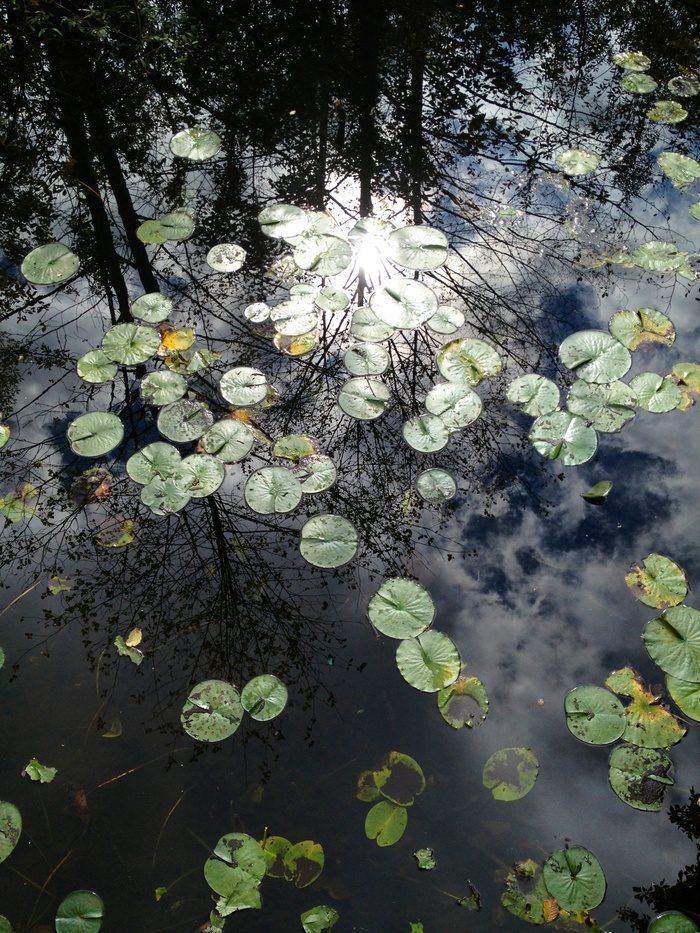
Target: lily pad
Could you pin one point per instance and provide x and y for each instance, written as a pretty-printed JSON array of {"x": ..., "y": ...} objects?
[
  {"x": 184, "y": 420},
  {"x": 332, "y": 299},
  {"x": 295, "y": 317},
  {"x": 10, "y": 828},
  {"x": 318, "y": 919},
  {"x": 196, "y": 142},
  {"x": 401, "y": 608},
  {"x": 95, "y": 434},
  {"x": 671, "y": 921},
  {"x": 199, "y": 475},
  {"x": 385, "y": 823},
  {"x": 50, "y": 264},
  {"x": 282, "y": 220},
  {"x": 130, "y": 344},
  {"x": 426, "y": 433},
  {"x": 4, "y": 434},
  {"x": 511, "y": 773},
  {"x": 564, "y": 436},
  {"x": 659, "y": 256},
  {"x": 681, "y": 169},
  {"x": 536, "y": 395},
  {"x": 632, "y": 61},
  {"x": 435, "y": 485},
  {"x": 640, "y": 776},
  {"x": 656, "y": 393},
  {"x": 243, "y": 386},
  {"x": 366, "y": 359},
  {"x": 152, "y": 307},
  {"x": 157, "y": 459},
  {"x": 234, "y": 872},
  {"x": 173, "y": 227},
  {"x": 328, "y": 541},
  {"x": 80, "y": 912},
  {"x": 598, "y": 493},
  {"x": 363, "y": 398},
  {"x": 366, "y": 326},
  {"x": 667, "y": 111},
  {"x": 272, "y": 489},
  {"x": 213, "y": 711},
  {"x": 595, "y": 356},
  {"x": 446, "y": 320},
  {"x": 606, "y": 408},
  {"x": 228, "y": 440},
  {"x": 304, "y": 862},
  {"x": 226, "y": 257},
  {"x": 687, "y": 376},
  {"x": 275, "y": 848},
  {"x": 420, "y": 247},
  {"x": 425, "y": 859},
  {"x": 686, "y": 695},
  {"x": 638, "y": 83},
  {"x": 323, "y": 254},
  {"x": 648, "y": 723},
  {"x": 404, "y": 303},
  {"x": 163, "y": 497},
  {"x": 661, "y": 583},
  {"x": 578, "y": 162},
  {"x": 95, "y": 367},
  {"x": 646, "y": 325},
  {"x": 455, "y": 404},
  {"x": 316, "y": 474},
  {"x": 468, "y": 360},
  {"x": 399, "y": 779},
  {"x": 684, "y": 86},
  {"x": 463, "y": 703},
  {"x": 294, "y": 447},
  {"x": 162, "y": 387},
  {"x": 526, "y": 895},
  {"x": 575, "y": 878},
  {"x": 429, "y": 661},
  {"x": 38, "y": 772},
  {"x": 673, "y": 642},
  {"x": 128, "y": 651},
  {"x": 594, "y": 715},
  {"x": 264, "y": 697}
]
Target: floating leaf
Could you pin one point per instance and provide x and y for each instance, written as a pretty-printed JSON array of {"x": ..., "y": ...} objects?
[
  {"x": 295, "y": 317},
  {"x": 2, "y": 662},
  {"x": 420, "y": 247},
  {"x": 446, "y": 320},
  {"x": 318, "y": 919},
  {"x": 19, "y": 504},
  {"x": 80, "y": 912},
  {"x": 595, "y": 356},
  {"x": 199, "y": 475},
  {"x": 264, "y": 697},
  {"x": 687, "y": 375},
  {"x": 95, "y": 367},
  {"x": 10, "y": 828},
  {"x": 686, "y": 695},
  {"x": 184, "y": 420},
  {"x": 435, "y": 485},
  {"x": 134, "y": 654},
  {"x": 176, "y": 226},
  {"x": 296, "y": 346},
  {"x": 117, "y": 532},
  {"x": 332, "y": 299},
  {"x": 646, "y": 325},
  {"x": 426, "y": 433},
  {"x": 606, "y": 408},
  {"x": 39, "y": 772},
  {"x": 162, "y": 387},
  {"x": 578, "y": 162},
  {"x": 196, "y": 143},
  {"x": 226, "y": 257},
  {"x": 463, "y": 703},
  {"x": 234, "y": 872},
  {"x": 638, "y": 83},
  {"x": 632, "y": 61},
  {"x": 134, "y": 638},
  {"x": 684, "y": 86},
  {"x": 212, "y": 712},
  {"x": 367, "y": 326},
  {"x": 659, "y": 256},
  {"x": 565, "y": 437},
  {"x": 328, "y": 541},
  {"x": 363, "y": 398},
  {"x": 673, "y": 642},
  {"x": 425, "y": 859},
  {"x": 275, "y": 848},
  {"x": 294, "y": 447},
  {"x": 468, "y": 361},
  {"x": 598, "y": 493},
  {"x": 228, "y": 440},
  {"x": 323, "y": 254},
  {"x": 660, "y": 584},
  {"x": 401, "y": 608},
  {"x": 367, "y": 790},
  {"x": 243, "y": 386},
  {"x": 4, "y": 435},
  {"x": 316, "y": 474},
  {"x": 667, "y": 111},
  {"x": 535, "y": 394},
  {"x": 95, "y": 434},
  {"x": 173, "y": 341},
  {"x": 526, "y": 894},
  {"x": 428, "y": 662},
  {"x": 157, "y": 459},
  {"x": 455, "y": 404},
  {"x": 130, "y": 344},
  {"x": 640, "y": 776},
  {"x": 303, "y": 863},
  {"x": 49, "y": 264},
  {"x": 152, "y": 307},
  {"x": 366, "y": 359},
  {"x": 399, "y": 778},
  {"x": 648, "y": 723},
  {"x": 594, "y": 715},
  {"x": 575, "y": 878},
  {"x": 671, "y": 921},
  {"x": 511, "y": 773},
  {"x": 272, "y": 489},
  {"x": 283, "y": 220},
  {"x": 404, "y": 303},
  {"x": 656, "y": 393},
  {"x": 385, "y": 823}
]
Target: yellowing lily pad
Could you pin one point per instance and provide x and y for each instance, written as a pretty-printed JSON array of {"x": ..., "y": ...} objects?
[
  {"x": 648, "y": 723},
  {"x": 660, "y": 583}
]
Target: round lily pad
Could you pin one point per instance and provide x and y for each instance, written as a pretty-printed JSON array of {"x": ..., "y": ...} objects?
[
  {"x": 385, "y": 823},
  {"x": 316, "y": 473},
  {"x": 196, "y": 143},
  {"x": 673, "y": 642},
  {"x": 399, "y": 778},
  {"x": 243, "y": 386},
  {"x": 162, "y": 387},
  {"x": 319, "y": 918},
  {"x": 367, "y": 326},
  {"x": 163, "y": 497},
  {"x": 660, "y": 583},
  {"x": 272, "y": 489},
  {"x": 645, "y": 325},
  {"x": 10, "y": 828},
  {"x": 606, "y": 408},
  {"x": 671, "y": 921},
  {"x": 228, "y": 440},
  {"x": 176, "y": 226},
  {"x": 130, "y": 344},
  {"x": 95, "y": 367},
  {"x": 640, "y": 776},
  {"x": 638, "y": 83},
  {"x": 446, "y": 320},
  {"x": 323, "y": 254},
  {"x": 95, "y": 434},
  {"x": 401, "y": 608},
  {"x": 295, "y": 317},
  {"x": 212, "y": 712},
  {"x": 463, "y": 703},
  {"x": 303, "y": 863},
  {"x": 420, "y": 247},
  {"x": 511, "y": 773},
  {"x": 49, "y": 264},
  {"x": 578, "y": 162},
  {"x": 294, "y": 447},
  {"x": 667, "y": 111},
  {"x": 468, "y": 360},
  {"x": 659, "y": 256},
  {"x": 264, "y": 697},
  {"x": 455, "y": 404},
  {"x": 684, "y": 86},
  {"x": 330, "y": 298},
  {"x": 363, "y": 398},
  {"x": 595, "y": 356},
  {"x": 594, "y": 715},
  {"x": 152, "y": 307},
  {"x": 282, "y": 220},
  {"x": 656, "y": 393},
  {"x": 681, "y": 169},
  {"x": 565, "y": 437},
  {"x": 257, "y": 313},
  {"x": 536, "y": 395},
  {"x": 328, "y": 541},
  {"x": 428, "y": 662},
  {"x": 686, "y": 695},
  {"x": 184, "y": 420},
  {"x": 575, "y": 878},
  {"x": 366, "y": 359},
  {"x": 426, "y": 433},
  {"x": 80, "y": 912},
  {"x": 199, "y": 475},
  {"x": 226, "y": 257},
  {"x": 649, "y": 723},
  {"x": 435, "y": 485},
  {"x": 157, "y": 459},
  {"x": 632, "y": 61},
  {"x": 404, "y": 303}
]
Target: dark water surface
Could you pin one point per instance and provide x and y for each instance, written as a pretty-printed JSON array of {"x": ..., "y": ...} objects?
[{"x": 445, "y": 114}]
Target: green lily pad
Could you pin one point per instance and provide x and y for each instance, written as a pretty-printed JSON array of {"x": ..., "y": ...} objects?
[
  {"x": 667, "y": 111},
  {"x": 435, "y": 485},
  {"x": 686, "y": 695},
  {"x": 671, "y": 921},
  {"x": 50, "y": 264},
  {"x": 366, "y": 359},
  {"x": 511, "y": 773},
  {"x": 363, "y": 398},
  {"x": 536, "y": 395},
  {"x": 275, "y": 848},
  {"x": 468, "y": 360},
  {"x": 426, "y": 433},
  {"x": 399, "y": 778},
  {"x": 196, "y": 143},
  {"x": 264, "y": 697},
  {"x": 659, "y": 256},
  {"x": 229, "y": 440},
  {"x": 575, "y": 878},
  {"x": 175, "y": 226},
  {"x": 282, "y": 221},
  {"x": 157, "y": 459},
  {"x": 673, "y": 642},
  {"x": 20, "y": 503},
  {"x": 404, "y": 303},
  {"x": 96, "y": 368},
  {"x": 367, "y": 790},
  {"x": 578, "y": 162},
  {"x": 80, "y": 912},
  {"x": 606, "y": 408},
  {"x": 425, "y": 859},
  {"x": 272, "y": 489},
  {"x": 318, "y": 919},
  {"x": 130, "y": 344},
  {"x": 162, "y": 387},
  {"x": 316, "y": 473},
  {"x": 632, "y": 61},
  {"x": 401, "y": 608},
  {"x": 5, "y": 926},
  {"x": 454, "y": 403},
  {"x": 598, "y": 493},
  {"x": 684, "y": 86},
  {"x": 446, "y": 320},
  {"x": 429, "y": 661},
  {"x": 648, "y": 723},
  {"x": 295, "y": 317},
  {"x": 594, "y": 715},
  {"x": 463, "y": 703},
  {"x": 128, "y": 651},
  {"x": 294, "y": 447},
  {"x": 332, "y": 299},
  {"x": 234, "y": 872},
  {"x": 660, "y": 584},
  {"x": 525, "y": 893},
  {"x": 213, "y": 711},
  {"x": 366, "y": 326},
  {"x": 39, "y": 772},
  {"x": 243, "y": 386},
  {"x": 595, "y": 356},
  {"x": 385, "y": 823},
  {"x": 226, "y": 257},
  {"x": 163, "y": 496},
  {"x": 184, "y": 420},
  {"x": 199, "y": 475},
  {"x": 328, "y": 541},
  {"x": 95, "y": 434},
  {"x": 680, "y": 169},
  {"x": 638, "y": 83},
  {"x": 152, "y": 307},
  {"x": 687, "y": 376},
  {"x": 420, "y": 247},
  {"x": 646, "y": 325},
  {"x": 564, "y": 436},
  {"x": 304, "y": 862},
  {"x": 10, "y": 828},
  {"x": 640, "y": 776},
  {"x": 656, "y": 393},
  {"x": 323, "y": 254},
  {"x": 4, "y": 435}
]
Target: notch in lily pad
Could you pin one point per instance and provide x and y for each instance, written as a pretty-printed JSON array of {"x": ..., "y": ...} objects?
[
  {"x": 594, "y": 715},
  {"x": 264, "y": 697},
  {"x": 50, "y": 264},
  {"x": 197, "y": 143},
  {"x": 95, "y": 434},
  {"x": 328, "y": 541},
  {"x": 234, "y": 872},
  {"x": 575, "y": 878},
  {"x": 401, "y": 608},
  {"x": 659, "y": 582},
  {"x": 648, "y": 723},
  {"x": 80, "y": 912},
  {"x": 428, "y": 662}
]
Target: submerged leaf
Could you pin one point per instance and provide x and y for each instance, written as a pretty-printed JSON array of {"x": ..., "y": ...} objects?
[
  {"x": 598, "y": 493},
  {"x": 399, "y": 778},
  {"x": 578, "y": 162},
  {"x": 511, "y": 773},
  {"x": 386, "y": 822},
  {"x": 304, "y": 862}
]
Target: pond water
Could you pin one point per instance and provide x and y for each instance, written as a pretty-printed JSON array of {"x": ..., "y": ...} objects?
[{"x": 524, "y": 145}]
